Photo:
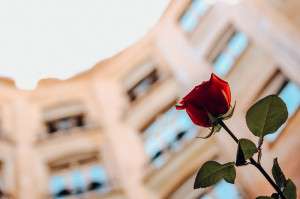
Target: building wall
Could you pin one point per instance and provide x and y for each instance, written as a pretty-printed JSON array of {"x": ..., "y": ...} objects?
[{"x": 119, "y": 98}]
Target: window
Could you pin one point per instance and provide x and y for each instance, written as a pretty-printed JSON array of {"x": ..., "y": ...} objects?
[
  {"x": 192, "y": 15},
  {"x": 228, "y": 50},
  {"x": 64, "y": 118},
  {"x": 76, "y": 178},
  {"x": 143, "y": 86},
  {"x": 167, "y": 134},
  {"x": 65, "y": 123},
  {"x": 290, "y": 93},
  {"x": 222, "y": 190}
]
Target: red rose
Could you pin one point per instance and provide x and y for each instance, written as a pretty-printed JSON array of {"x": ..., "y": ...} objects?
[{"x": 210, "y": 97}]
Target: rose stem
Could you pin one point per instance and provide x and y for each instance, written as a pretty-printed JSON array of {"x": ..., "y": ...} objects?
[{"x": 253, "y": 162}]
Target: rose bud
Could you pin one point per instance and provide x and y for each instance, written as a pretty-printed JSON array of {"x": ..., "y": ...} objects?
[{"x": 210, "y": 99}]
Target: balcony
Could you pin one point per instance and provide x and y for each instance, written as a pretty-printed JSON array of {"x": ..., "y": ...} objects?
[
  {"x": 91, "y": 130},
  {"x": 81, "y": 177}
]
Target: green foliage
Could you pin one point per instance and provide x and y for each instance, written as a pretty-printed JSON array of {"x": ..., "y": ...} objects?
[
  {"x": 278, "y": 174},
  {"x": 290, "y": 191},
  {"x": 275, "y": 196},
  {"x": 246, "y": 149},
  {"x": 212, "y": 172},
  {"x": 288, "y": 187},
  {"x": 266, "y": 115}
]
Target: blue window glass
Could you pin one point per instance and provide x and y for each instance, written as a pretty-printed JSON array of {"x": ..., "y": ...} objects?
[
  {"x": 98, "y": 179},
  {"x": 192, "y": 15},
  {"x": 166, "y": 134},
  {"x": 57, "y": 184},
  {"x": 290, "y": 94},
  {"x": 76, "y": 182},
  {"x": 228, "y": 190},
  {"x": 98, "y": 174},
  {"x": 236, "y": 45},
  {"x": 223, "y": 190}
]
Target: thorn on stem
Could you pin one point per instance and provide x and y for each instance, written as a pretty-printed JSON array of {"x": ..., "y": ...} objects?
[{"x": 259, "y": 149}]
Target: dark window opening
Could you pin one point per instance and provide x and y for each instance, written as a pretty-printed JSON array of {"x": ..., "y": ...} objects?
[
  {"x": 79, "y": 191},
  {"x": 156, "y": 155},
  {"x": 180, "y": 135},
  {"x": 283, "y": 85},
  {"x": 63, "y": 193},
  {"x": 77, "y": 181},
  {"x": 95, "y": 186},
  {"x": 143, "y": 86},
  {"x": 65, "y": 123}
]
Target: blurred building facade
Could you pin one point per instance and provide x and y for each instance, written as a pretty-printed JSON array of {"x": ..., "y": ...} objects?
[{"x": 112, "y": 132}]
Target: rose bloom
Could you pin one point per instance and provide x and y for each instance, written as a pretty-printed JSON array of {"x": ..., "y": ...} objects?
[{"x": 210, "y": 97}]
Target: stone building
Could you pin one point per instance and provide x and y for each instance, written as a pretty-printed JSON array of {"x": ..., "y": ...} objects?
[{"x": 112, "y": 132}]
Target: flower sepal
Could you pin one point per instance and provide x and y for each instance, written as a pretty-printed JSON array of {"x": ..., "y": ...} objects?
[
  {"x": 216, "y": 127},
  {"x": 229, "y": 113},
  {"x": 215, "y": 120}
]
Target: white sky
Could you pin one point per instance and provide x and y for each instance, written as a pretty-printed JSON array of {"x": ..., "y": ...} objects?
[{"x": 59, "y": 38}]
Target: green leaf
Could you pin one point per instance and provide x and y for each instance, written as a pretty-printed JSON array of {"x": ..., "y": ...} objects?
[
  {"x": 278, "y": 174},
  {"x": 275, "y": 196},
  {"x": 229, "y": 173},
  {"x": 246, "y": 149},
  {"x": 240, "y": 158},
  {"x": 212, "y": 172},
  {"x": 266, "y": 115},
  {"x": 290, "y": 191}
]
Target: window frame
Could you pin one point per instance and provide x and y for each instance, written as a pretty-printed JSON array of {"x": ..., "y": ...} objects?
[
  {"x": 78, "y": 163},
  {"x": 136, "y": 75},
  {"x": 169, "y": 153},
  {"x": 187, "y": 5},
  {"x": 220, "y": 44},
  {"x": 156, "y": 78},
  {"x": 61, "y": 111}
]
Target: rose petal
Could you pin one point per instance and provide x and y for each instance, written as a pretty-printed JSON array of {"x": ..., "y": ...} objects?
[
  {"x": 223, "y": 85},
  {"x": 198, "y": 115},
  {"x": 211, "y": 96}
]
